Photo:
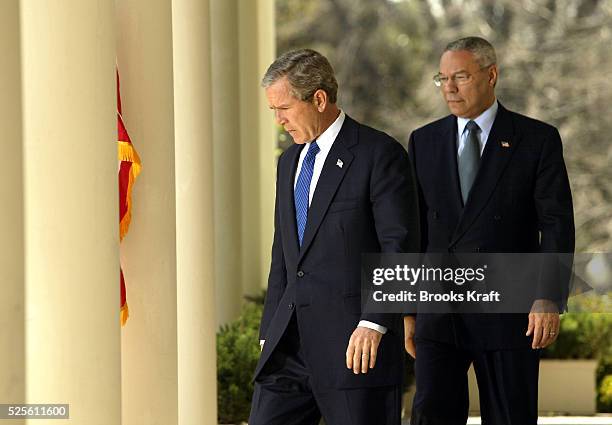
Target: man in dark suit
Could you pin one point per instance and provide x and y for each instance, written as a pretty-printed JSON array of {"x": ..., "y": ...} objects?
[
  {"x": 342, "y": 189},
  {"x": 489, "y": 180}
]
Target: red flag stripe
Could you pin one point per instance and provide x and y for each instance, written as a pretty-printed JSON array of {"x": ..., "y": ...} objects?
[{"x": 129, "y": 168}]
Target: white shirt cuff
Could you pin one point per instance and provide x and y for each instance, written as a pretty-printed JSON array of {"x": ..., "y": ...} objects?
[{"x": 372, "y": 325}]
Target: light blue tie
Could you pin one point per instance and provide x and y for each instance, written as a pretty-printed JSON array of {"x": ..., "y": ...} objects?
[
  {"x": 302, "y": 189},
  {"x": 469, "y": 160}
]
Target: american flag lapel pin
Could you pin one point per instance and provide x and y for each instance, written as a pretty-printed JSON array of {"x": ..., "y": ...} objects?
[
  {"x": 505, "y": 144},
  {"x": 339, "y": 163}
]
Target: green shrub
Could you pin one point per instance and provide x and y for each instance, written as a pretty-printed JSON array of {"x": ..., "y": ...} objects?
[
  {"x": 582, "y": 336},
  {"x": 604, "y": 398},
  {"x": 585, "y": 335},
  {"x": 604, "y": 383},
  {"x": 237, "y": 355}
]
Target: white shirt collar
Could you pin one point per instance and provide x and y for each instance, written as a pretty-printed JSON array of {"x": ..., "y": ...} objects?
[
  {"x": 325, "y": 142},
  {"x": 484, "y": 121},
  {"x": 326, "y": 139}
]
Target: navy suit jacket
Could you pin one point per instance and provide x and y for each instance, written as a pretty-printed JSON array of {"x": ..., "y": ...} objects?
[
  {"x": 520, "y": 202},
  {"x": 368, "y": 205}
]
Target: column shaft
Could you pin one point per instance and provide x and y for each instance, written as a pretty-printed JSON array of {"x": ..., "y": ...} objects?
[
  {"x": 228, "y": 207},
  {"x": 12, "y": 289},
  {"x": 258, "y": 141},
  {"x": 244, "y": 137},
  {"x": 148, "y": 252},
  {"x": 196, "y": 321},
  {"x": 70, "y": 194}
]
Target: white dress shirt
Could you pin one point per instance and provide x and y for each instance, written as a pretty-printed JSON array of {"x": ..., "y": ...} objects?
[
  {"x": 325, "y": 142},
  {"x": 484, "y": 121}
]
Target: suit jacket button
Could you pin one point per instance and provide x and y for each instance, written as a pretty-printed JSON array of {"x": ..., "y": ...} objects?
[
  {"x": 300, "y": 273},
  {"x": 291, "y": 305}
]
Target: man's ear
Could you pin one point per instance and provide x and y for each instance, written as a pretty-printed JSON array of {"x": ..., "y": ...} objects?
[
  {"x": 320, "y": 100},
  {"x": 493, "y": 73}
]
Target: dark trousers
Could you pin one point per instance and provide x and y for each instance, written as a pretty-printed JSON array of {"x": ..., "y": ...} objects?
[
  {"x": 285, "y": 394},
  {"x": 507, "y": 385}
]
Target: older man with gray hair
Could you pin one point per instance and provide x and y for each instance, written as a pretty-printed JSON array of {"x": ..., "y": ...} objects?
[
  {"x": 490, "y": 180},
  {"x": 342, "y": 189}
]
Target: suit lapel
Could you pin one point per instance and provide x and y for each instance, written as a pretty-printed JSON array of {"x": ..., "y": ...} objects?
[
  {"x": 499, "y": 148},
  {"x": 329, "y": 180},
  {"x": 448, "y": 170},
  {"x": 287, "y": 216}
]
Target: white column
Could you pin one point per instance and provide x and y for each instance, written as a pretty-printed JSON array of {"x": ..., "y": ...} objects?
[
  {"x": 228, "y": 208},
  {"x": 70, "y": 197},
  {"x": 244, "y": 138},
  {"x": 258, "y": 140},
  {"x": 12, "y": 289},
  {"x": 148, "y": 252},
  {"x": 268, "y": 151},
  {"x": 196, "y": 321},
  {"x": 249, "y": 143},
  {"x": 181, "y": 88}
]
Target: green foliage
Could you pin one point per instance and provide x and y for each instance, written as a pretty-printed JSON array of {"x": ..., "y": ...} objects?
[
  {"x": 582, "y": 336},
  {"x": 237, "y": 355},
  {"x": 257, "y": 298},
  {"x": 604, "y": 398},
  {"x": 587, "y": 336},
  {"x": 604, "y": 384}
]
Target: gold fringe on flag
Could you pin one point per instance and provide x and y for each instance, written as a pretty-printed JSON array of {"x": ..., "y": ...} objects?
[
  {"x": 124, "y": 314},
  {"x": 127, "y": 153}
]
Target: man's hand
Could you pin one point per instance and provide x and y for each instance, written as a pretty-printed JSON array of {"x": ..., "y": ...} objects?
[
  {"x": 362, "y": 349},
  {"x": 409, "y": 326},
  {"x": 543, "y": 323}
]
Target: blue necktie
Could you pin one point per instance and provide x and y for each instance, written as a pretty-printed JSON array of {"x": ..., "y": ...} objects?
[
  {"x": 302, "y": 189},
  {"x": 469, "y": 160}
]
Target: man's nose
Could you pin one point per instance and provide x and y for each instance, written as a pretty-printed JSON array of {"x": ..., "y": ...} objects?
[{"x": 450, "y": 86}]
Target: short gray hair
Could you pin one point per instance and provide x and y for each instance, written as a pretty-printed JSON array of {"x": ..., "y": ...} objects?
[
  {"x": 482, "y": 50},
  {"x": 307, "y": 72}
]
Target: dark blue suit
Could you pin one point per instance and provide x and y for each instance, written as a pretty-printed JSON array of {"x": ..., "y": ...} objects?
[
  {"x": 314, "y": 292},
  {"x": 520, "y": 202}
]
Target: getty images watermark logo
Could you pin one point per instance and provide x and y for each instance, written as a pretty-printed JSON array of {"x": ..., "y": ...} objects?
[
  {"x": 411, "y": 275},
  {"x": 473, "y": 282},
  {"x": 406, "y": 275}
]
